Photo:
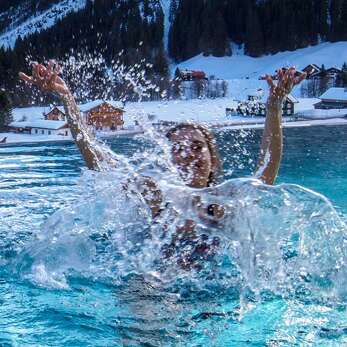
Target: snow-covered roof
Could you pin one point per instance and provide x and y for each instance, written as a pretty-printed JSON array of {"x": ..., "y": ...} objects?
[
  {"x": 337, "y": 94},
  {"x": 30, "y": 113},
  {"x": 40, "y": 124},
  {"x": 292, "y": 98},
  {"x": 89, "y": 105}
]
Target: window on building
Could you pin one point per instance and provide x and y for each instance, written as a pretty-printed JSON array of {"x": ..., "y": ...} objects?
[
  {"x": 42, "y": 132},
  {"x": 49, "y": 132},
  {"x": 36, "y": 131},
  {"x": 66, "y": 133}
]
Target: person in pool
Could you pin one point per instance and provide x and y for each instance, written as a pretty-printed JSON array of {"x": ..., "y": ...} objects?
[{"x": 194, "y": 149}]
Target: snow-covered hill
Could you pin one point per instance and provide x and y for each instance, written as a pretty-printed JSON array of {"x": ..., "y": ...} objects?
[
  {"x": 242, "y": 66},
  {"x": 21, "y": 25}
]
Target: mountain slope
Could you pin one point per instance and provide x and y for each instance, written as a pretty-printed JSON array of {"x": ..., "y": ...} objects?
[{"x": 21, "y": 23}]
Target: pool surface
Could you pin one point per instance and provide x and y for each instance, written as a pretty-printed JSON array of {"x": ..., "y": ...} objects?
[{"x": 91, "y": 308}]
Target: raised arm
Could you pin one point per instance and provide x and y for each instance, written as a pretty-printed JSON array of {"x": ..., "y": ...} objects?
[
  {"x": 46, "y": 78},
  {"x": 272, "y": 140}
]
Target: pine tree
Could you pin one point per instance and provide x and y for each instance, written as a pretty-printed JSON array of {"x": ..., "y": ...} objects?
[
  {"x": 254, "y": 44},
  {"x": 343, "y": 22},
  {"x": 5, "y": 110},
  {"x": 336, "y": 25},
  {"x": 322, "y": 22},
  {"x": 344, "y": 75},
  {"x": 173, "y": 9}
]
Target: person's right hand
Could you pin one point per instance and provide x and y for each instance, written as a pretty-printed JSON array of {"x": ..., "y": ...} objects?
[
  {"x": 287, "y": 79},
  {"x": 46, "y": 78}
]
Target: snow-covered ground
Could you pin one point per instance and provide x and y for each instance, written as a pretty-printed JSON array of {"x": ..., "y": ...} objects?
[
  {"x": 242, "y": 66},
  {"x": 208, "y": 111}
]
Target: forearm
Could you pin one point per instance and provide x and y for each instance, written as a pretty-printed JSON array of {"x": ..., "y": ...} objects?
[
  {"x": 272, "y": 142},
  {"x": 94, "y": 155}
]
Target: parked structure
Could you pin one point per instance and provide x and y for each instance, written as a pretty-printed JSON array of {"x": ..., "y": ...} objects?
[
  {"x": 255, "y": 105},
  {"x": 102, "y": 115},
  {"x": 333, "y": 98}
]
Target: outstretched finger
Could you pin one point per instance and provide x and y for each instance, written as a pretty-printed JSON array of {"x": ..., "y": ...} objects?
[
  {"x": 43, "y": 73},
  {"x": 281, "y": 73},
  {"x": 57, "y": 69},
  {"x": 289, "y": 79},
  {"x": 299, "y": 79},
  {"x": 270, "y": 81},
  {"x": 35, "y": 71},
  {"x": 26, "y": 78},
  {"x": 50, "y": 65}
]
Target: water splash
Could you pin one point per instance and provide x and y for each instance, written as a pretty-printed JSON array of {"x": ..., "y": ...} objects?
[{"x": 286, "y": 240}]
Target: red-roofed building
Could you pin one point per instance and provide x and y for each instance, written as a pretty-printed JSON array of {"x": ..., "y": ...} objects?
[{"x": 192, "y": 75}]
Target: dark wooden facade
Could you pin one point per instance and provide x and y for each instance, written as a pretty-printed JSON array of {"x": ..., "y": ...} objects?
[
  {"x": 55, "y": 114},
  {"x": 105, "y": 117},
  {"x": 311, "y": 69}
]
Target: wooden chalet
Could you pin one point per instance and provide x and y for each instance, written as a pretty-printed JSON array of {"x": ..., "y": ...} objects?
[
  {"x": 311, "y": 69},
  {"x": 333, "y": 98},
  {"x": 330, "y": 73},
  {"x": 55, "y": 114},
  {"x": 333, "y": 71},
  {"x": 103, "y": 116}
]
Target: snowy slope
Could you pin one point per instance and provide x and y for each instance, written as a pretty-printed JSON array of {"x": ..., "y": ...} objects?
[
  {"x": 165, "y": 4},
  {"x": 39, "y": 22},
  {"x": 242, "y": 66}
]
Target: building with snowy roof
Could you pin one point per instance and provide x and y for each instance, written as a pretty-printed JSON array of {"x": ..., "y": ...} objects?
[
  {"x": 103, "y": 115},
  {"x": 255, "y": 105},
  {"x": 333, "y": 98},
  {"x": 311, "y": 69},
  {"x": 56, "y": 113},
  {"x": 42, "y": 127}
]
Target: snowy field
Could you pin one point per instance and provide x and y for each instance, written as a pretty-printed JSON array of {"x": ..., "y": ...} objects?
[
  {"x": 207, "y": 111},
  {"x": 241, "y": 66}
]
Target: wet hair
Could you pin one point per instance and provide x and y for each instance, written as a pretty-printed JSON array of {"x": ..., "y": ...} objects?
[{"x": 212, "y": 146}]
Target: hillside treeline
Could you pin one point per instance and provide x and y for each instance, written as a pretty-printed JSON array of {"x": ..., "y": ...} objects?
[
  {"x": 131, "y": 32},
  {"x": 263, "y": 26},
  {"x": 121, "y": 31}
]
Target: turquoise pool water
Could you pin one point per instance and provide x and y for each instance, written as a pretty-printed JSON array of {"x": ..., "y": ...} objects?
[{"x": 91, "y": 308}]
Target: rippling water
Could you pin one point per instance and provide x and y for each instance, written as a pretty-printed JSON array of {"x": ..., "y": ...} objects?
[{"x": 68, "y": 279}]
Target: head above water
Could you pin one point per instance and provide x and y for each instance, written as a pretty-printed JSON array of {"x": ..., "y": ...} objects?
[{"x": 195, "y": 153}]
